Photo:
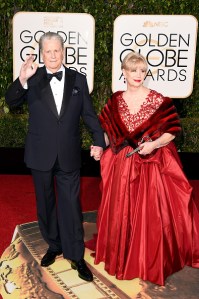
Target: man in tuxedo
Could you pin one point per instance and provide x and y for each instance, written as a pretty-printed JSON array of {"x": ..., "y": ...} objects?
[{"x": 57, "y": 98}]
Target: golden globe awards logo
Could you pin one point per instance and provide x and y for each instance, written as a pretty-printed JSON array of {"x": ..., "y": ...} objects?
[
  {"x": 77, "y": 31},
  {"x": 169, "y": 45},
  {"x": 164, "y": 53},
  {"x": 75, "y": 53}
]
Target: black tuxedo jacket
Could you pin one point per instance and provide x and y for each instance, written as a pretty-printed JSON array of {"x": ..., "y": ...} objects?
[{"x": 51, "y": 135}]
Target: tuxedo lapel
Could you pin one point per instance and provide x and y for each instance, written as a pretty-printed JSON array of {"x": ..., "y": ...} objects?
[
  {"x": 68, "y": 88},
  {"x": 48, "y": 97},
  {"x": 46, "y": 92}
]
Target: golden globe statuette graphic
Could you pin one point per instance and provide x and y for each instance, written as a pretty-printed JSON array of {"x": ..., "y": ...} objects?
[{"x": 22, "y": 276}]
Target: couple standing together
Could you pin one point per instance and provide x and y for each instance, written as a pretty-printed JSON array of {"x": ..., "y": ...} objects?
[{"x": 148, "y": 223}]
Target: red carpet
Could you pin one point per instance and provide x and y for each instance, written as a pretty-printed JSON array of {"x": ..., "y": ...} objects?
[{"x": 17, "y": 202}]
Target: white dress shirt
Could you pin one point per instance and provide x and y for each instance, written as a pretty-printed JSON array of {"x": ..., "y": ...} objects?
[{"x": 58, "y": 88}]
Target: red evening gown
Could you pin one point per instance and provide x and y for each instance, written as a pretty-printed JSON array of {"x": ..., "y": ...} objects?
[{"x": 148, "y": 223}]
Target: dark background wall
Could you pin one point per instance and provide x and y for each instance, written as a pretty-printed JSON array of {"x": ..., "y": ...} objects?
[{"x": 12, "y": 162}]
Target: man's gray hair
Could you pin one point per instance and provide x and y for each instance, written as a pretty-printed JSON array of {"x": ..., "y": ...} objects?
[{"x": 50, "y": 35}]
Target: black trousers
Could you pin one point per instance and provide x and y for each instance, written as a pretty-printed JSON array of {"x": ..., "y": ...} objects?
[{"x": 58, "y": 210}]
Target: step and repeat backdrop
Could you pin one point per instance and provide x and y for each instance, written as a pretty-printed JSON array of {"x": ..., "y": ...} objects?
[
  {"x": 76, "y": 29},
  {"x": 167, "y": 41},
  {"x": 169, "y": 44}
]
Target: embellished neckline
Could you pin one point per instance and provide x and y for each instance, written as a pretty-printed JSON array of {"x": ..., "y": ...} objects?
[
  {"x": 133, "y": 120},
  {"x": 146, "y": 101}
]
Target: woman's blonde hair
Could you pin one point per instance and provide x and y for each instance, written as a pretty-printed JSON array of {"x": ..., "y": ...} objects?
[{"x": 132, "y": 59}]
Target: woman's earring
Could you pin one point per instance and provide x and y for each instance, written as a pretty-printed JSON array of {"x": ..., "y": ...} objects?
[{"x": 124, "y": 80}]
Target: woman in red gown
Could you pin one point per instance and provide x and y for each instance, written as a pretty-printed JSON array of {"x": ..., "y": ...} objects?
[{"x": 148, "y": 223}]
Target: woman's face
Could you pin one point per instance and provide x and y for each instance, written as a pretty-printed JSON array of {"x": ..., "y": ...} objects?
[{"x": 135, "y": 74}]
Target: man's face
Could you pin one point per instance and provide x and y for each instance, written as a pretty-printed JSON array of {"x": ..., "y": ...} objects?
[{"x": 52, "y": 54}]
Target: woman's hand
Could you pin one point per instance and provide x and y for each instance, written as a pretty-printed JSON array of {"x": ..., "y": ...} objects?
[{"x": 146, "y": 148}]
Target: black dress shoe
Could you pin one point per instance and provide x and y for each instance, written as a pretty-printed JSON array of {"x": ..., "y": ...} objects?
[
  {"x": 83, "y": 271},
  {"x": 49, "y": 258}
]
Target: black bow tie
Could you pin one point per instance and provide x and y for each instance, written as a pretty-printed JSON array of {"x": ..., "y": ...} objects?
[{"x": 58, "y": 75}]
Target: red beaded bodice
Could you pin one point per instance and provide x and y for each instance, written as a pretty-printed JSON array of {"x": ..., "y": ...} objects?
[{"x": 148, "y": 107}]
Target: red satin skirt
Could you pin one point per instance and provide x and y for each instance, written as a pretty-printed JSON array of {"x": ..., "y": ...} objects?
[{"x": 148, "y": 223}]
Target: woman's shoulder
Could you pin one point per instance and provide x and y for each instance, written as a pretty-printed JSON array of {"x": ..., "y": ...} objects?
[
  {"x": 158, "y": 100},
  {"x": 155, "y": 95},
  {"x": 116, "y": 95}
]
